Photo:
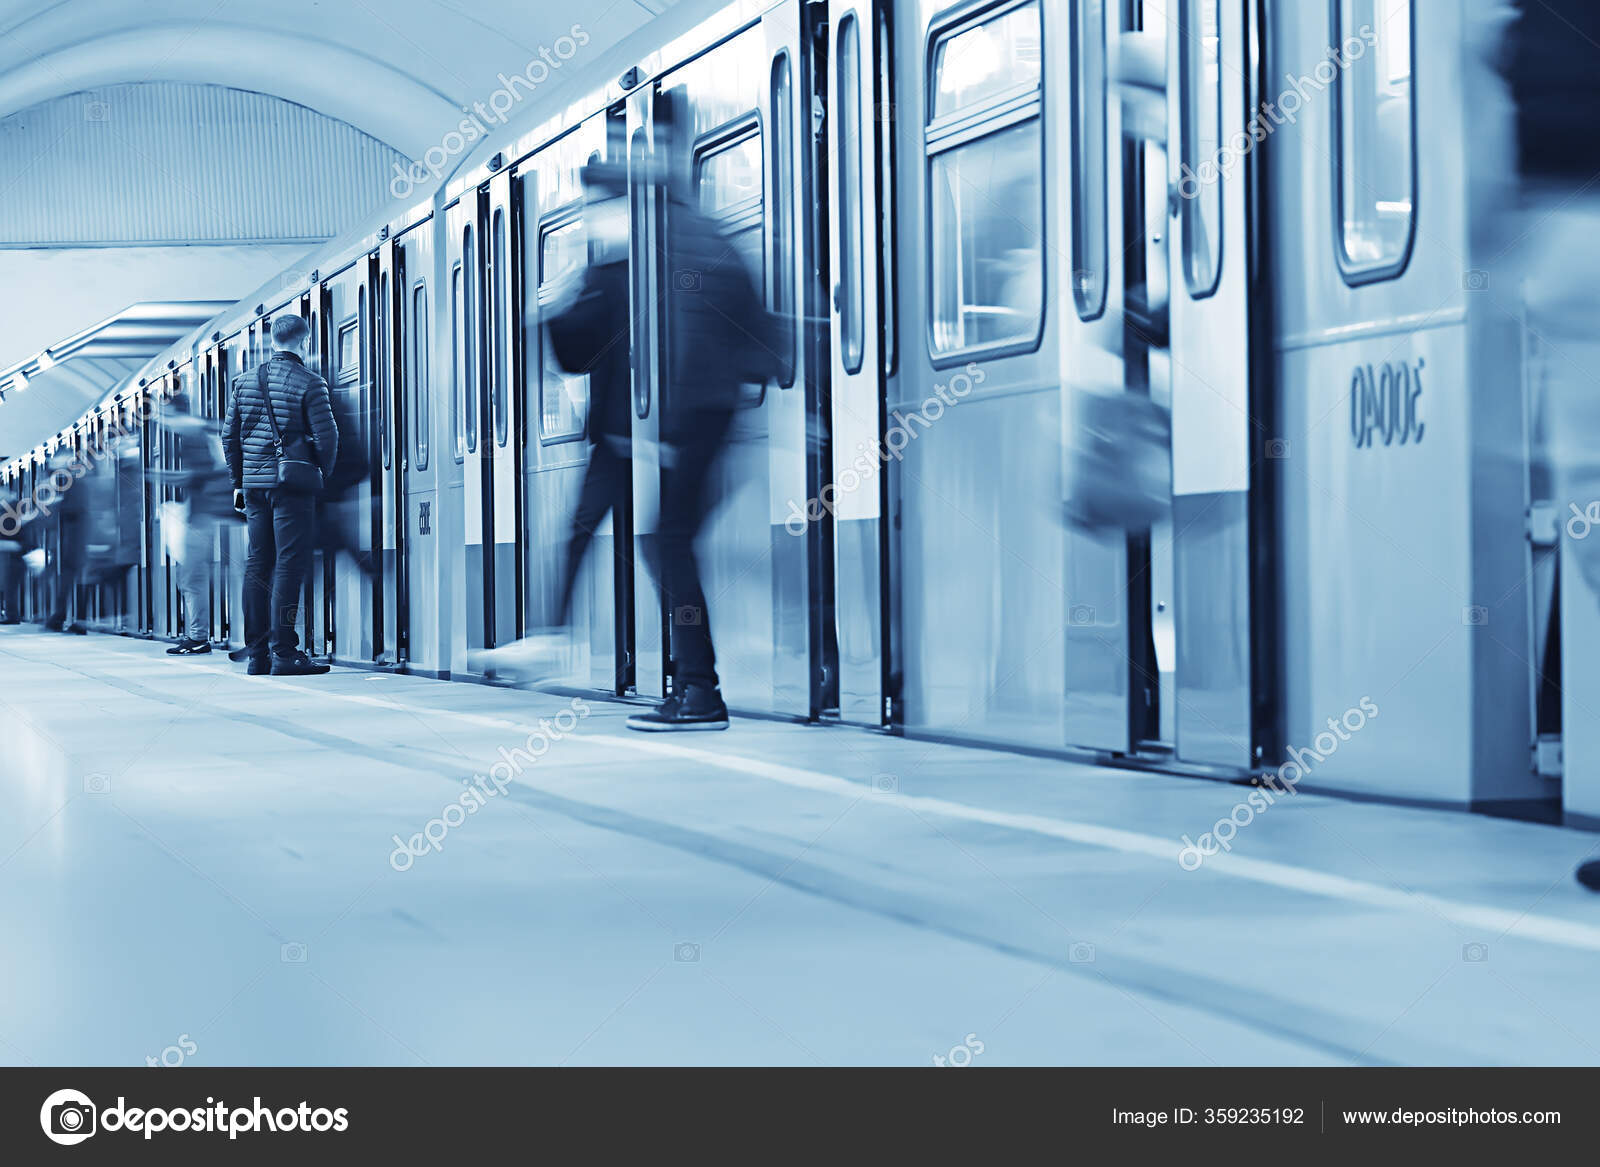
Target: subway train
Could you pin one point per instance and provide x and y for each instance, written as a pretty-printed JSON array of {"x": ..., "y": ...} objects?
[{"x": 1267, "y": 217}]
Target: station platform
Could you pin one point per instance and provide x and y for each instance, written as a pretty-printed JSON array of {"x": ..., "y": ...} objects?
[{"x": 199, "y": 867}]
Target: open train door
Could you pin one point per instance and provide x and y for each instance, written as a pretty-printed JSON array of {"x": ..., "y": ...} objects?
[
  {"x": 855, "y": 241},
  {"x": 1097, "y": 682},
  {"x": 1211, "y": 66}
]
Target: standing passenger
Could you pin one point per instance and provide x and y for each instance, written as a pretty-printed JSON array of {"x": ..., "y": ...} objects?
[
  {"x": 11, "y": 549},
  {"x": 72, "y": 542},
  {"x": 281, "y": 520}
]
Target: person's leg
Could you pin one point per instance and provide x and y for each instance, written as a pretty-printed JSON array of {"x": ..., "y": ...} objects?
[
  {"x": 199, "y": 542},
  {"x": 686, "y": 502},
  {"x": 603, "y": 482},
  {"x": 294, "y": 522},
  {"x": 259, "y": 565}
]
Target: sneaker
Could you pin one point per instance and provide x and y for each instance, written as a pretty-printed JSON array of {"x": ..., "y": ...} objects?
[
  {"x": 1589, "y": 874},
  {"x": 187, "y": 647},
  {"x": 535, "y": 656},
  {"x": 697, "y": 708},
  {"x": 260, "y": 666},
  {"x": 298, "y": 665}
]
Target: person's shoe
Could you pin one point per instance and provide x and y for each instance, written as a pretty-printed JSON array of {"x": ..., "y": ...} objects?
[
  {"x": 535, "y": 656},
  {"x": 53, "y": 625},
  {"x": 298, "y": 665},
  {"x": 187, "y": 647},
  {"x": 697, "y": 708},
  {"x": 78, "y": 628},
  {"x": 239, "y": 655},
  {"x": 1588, "y": 874},
  {"x": 260, "y": 666}
]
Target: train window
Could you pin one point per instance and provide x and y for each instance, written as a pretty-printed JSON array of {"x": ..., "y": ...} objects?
[
  {"x": 729, "y": 177},
  {"x": 639, "y": 208},
  {"x": 981, "y": 64},
  {"x": 420, "y": 412},
  {"x": 458, "y": 358},
  {"x": 851, "y": 274},
  {"x": 1090, "y": 230},
  {"x": 1200, "y": 87},
  {"x": 348, "y": 362},
  {"x": 1376, "y": 113},
  {"x": 563, "y": 396},
  {"x": 469, "y": 341},
  {"x": 497, "y": 326},
  {"x": 782, "y": 218},
  {"x": 986, "y": 220},
  {"x": 882, "y": 137}
]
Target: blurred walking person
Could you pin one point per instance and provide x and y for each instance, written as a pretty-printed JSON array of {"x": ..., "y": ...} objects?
[
  {"x": 281, "y": 442},
  {"x": 206, "y": 485},
  {"x": 339, "y": 514},
  {"x": 71, "y": 543},
  {"x": 587, "y": 319},
  {"x": 12, "y": 547},
  {"x": 720, "y": 338},
  {"x": 1550, "y": 58}
]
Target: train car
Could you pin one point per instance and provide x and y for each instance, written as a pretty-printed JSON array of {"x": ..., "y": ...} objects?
[{"x": 978, "y": 219}]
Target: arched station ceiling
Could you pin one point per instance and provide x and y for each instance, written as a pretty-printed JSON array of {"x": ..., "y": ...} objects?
[{"x": 399, "y": 70}]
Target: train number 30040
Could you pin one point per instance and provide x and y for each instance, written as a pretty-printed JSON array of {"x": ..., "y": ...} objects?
[{"x": 1386, "y": 404}]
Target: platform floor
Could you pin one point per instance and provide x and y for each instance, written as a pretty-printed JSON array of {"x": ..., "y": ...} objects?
[{"x": 200, "y": 866}]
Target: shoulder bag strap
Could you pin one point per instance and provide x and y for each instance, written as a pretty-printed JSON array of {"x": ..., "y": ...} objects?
[{"x": 266, "y": 398}]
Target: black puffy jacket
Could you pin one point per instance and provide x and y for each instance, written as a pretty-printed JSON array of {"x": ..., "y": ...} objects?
[{"x": 300, "y": 404}]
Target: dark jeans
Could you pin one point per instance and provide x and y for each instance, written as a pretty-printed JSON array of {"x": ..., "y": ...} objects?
[
  {"x": 686, "y": 502},
  {"x": 282, "y": 530},
  {"x": 606, "y": 485}
]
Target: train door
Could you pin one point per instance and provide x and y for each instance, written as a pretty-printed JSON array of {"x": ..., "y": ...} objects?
[
  {"x": 856, "y": 239},
  {"x": 645, "y": 211},
  {"x": 350, "y": 385},
  {"x": 753, "y": 560},
  {"x": 416, "y": 595},
  {"x": 389, "y": 340},
  {"x": 1210, "y": 70},
  {"x": 500, "y": 407},
  {"x": 462, "y": 261},
  {"x": 236, "y": 356},
  {"x": 553, "y": 244}
]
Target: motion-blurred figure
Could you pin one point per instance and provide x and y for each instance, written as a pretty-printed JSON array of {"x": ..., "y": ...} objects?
[
  {"x": 589, "y": 332},
  {"x": 71, "y": 543},
  {"x": 12, "y": 570},
  {"x": 719, "y": 339},
  {"x": 1551, "y": 61},
  {"x": 208, "y": 491},
  {"x": 339, "y": 513}
]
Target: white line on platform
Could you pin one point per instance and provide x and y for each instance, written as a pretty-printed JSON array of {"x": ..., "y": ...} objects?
[{"x": 1479, "y": 917}]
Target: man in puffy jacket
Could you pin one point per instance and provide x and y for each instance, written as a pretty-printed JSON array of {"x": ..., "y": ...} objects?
[{"x": 282, "y": 522}]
